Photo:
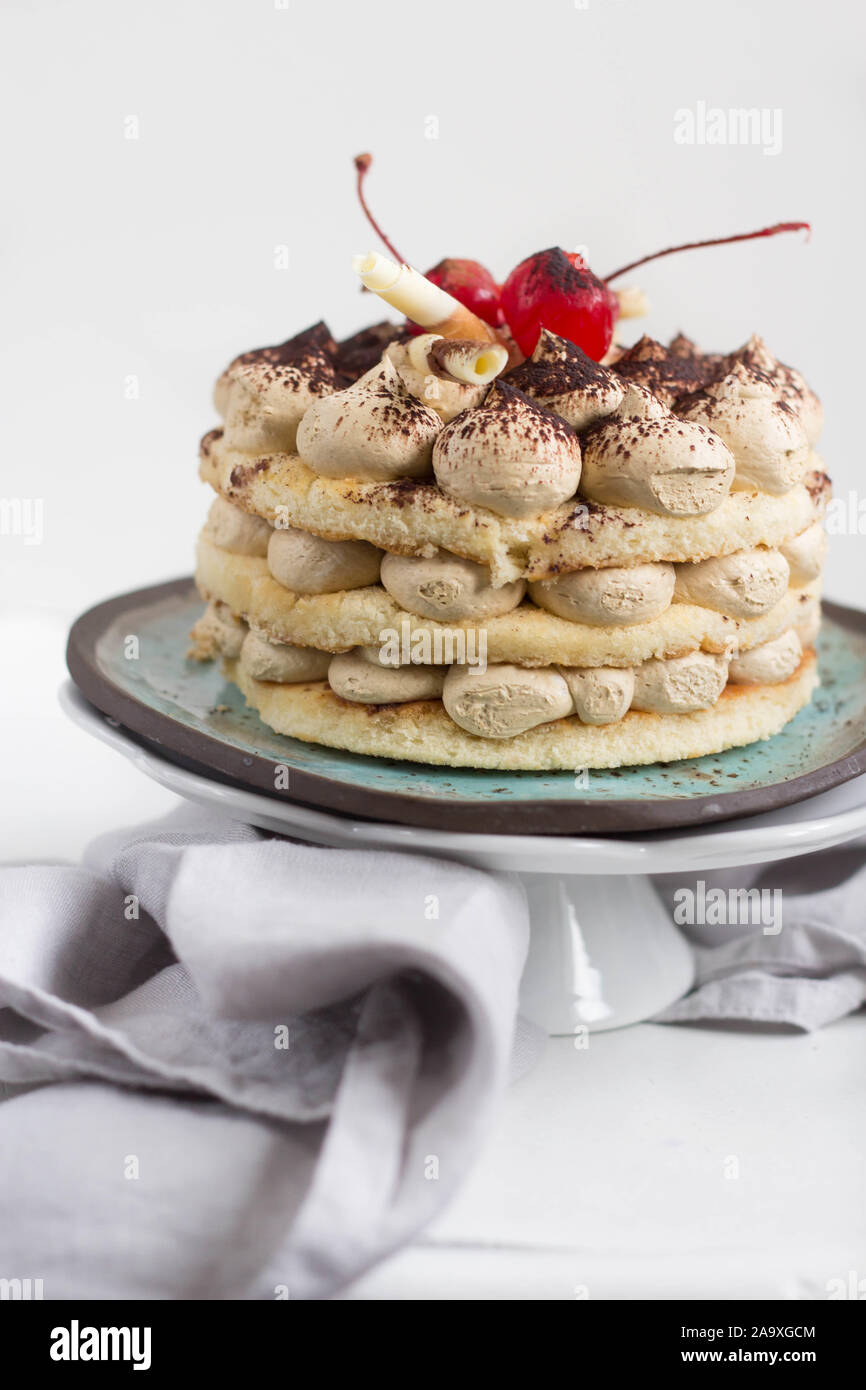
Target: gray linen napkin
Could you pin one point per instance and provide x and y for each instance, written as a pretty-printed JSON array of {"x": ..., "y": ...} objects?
[
  {"x": 278, "y": 1061},
  {"x": 780, "y": 943},
  {"x": 305, "y": 1047}
]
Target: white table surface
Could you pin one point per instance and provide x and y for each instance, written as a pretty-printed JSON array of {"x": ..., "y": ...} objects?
[
  {"x": 605, "y": 1176},
  {"x": 59, "y": 788},
  {"x": 605, "y": 1173}
]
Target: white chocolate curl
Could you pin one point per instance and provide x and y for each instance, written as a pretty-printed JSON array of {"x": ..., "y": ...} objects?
[
  {"x": 444, "y": 394},
  {"x": 418, "y": 351},
  {"x": 412, "y": 294},
  {"x": 601, "y": 694},
  {"x": 613, "y": 597},
  {"x": 504, "y": 700},
  {"x": 633, "y": 302},
  {"x": 468, "y": 361},
  {"x": 464, "y": 359}
]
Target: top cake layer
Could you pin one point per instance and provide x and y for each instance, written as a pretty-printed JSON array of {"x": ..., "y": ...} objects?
[{"x": 557, "y": 464}]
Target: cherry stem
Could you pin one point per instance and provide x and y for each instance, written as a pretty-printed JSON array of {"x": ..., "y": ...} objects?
[
  {"x": 362, "y": 164},
  {"x": 716, "y": 241}
]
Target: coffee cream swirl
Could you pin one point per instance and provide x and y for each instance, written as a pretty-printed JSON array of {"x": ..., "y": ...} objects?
[
  {"x": 765, "y": 435},
  {"x": 264, "y": 394},
  {"x": 504, "y": 700},
  {"x": 447, "y": 588},
  {"x": 374, "y": 429},
  {"x": 614, "y": 597},
  {"x": 359, "y": 677},
  {"x": 681, "y": 685},
  {"x": 561, "y": 377},
  {"x": 600, "y": 694},
  {"x": 509, "y": 454},
  {"x": 644, "y": 456},
  {"x": 769, "y": 663},
  {"x": 278, "y": 661},
  {"x": 308, "y": 564},
  {"x": 788, "y": 384},
  {"x": 743, "y": 585},
  {"x": 235, "y": 530},
  {"x": 806, "y": 553}
]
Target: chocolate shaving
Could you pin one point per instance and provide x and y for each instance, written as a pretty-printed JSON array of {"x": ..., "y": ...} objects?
[
  {"x": 669, "y": 375},
  {"x": 571, "y": 371},
  {"x": 359, "y": 353}
]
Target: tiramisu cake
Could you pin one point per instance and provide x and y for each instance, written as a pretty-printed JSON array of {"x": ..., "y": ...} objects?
[{"x": 465, "y": 539}]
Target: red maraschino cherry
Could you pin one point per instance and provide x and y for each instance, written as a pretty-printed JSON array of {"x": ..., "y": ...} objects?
[
  {"x": 468, "y": 281},
  {"x": 472, "y": 284},
  {"x": 555, "y": 289}
]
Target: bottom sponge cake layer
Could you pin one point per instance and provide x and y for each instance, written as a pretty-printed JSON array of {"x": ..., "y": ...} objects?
[{"x": 422, "y": 731}]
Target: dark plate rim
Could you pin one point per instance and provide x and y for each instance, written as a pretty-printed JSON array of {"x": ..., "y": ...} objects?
[{"x": 209, "y": 754}]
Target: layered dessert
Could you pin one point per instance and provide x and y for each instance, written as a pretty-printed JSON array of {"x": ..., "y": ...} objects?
[{"x": 473, "y": 539}]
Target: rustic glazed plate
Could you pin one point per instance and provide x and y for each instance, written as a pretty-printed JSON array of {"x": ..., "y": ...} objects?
[{"x": 127, "y": 656}]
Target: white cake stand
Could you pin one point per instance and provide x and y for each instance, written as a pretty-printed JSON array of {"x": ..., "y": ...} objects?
[{"x": 604, "y": 952}]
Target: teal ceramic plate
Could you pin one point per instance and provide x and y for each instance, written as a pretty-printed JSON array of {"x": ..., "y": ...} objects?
[{"x": 127, "y": 656}]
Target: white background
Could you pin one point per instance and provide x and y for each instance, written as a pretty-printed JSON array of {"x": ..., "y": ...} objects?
[{"x": 154, "y": 257}]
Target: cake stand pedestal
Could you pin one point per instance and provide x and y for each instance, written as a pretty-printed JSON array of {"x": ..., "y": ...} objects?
[{"x": 604, "y": 952}]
